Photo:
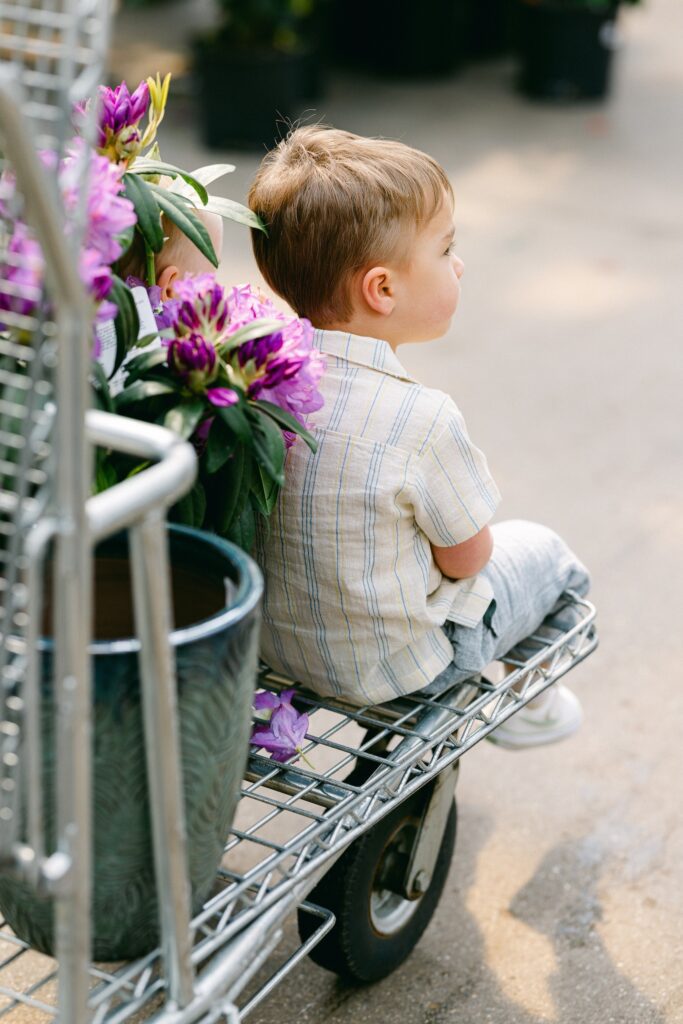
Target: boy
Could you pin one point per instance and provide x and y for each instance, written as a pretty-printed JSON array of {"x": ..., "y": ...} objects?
[
  {"x": 178, "y": 256},
  {"x": 383, "y": 575}
]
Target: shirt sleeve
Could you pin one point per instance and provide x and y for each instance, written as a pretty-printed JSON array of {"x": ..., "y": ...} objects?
[{"x": 454, "y": 494}]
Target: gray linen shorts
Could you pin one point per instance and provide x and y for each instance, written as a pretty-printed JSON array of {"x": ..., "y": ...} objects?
[{"x": 529, "y": 570}]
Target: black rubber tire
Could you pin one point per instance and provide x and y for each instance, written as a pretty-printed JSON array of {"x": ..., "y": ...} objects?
[{"x": 354, "y": 949}]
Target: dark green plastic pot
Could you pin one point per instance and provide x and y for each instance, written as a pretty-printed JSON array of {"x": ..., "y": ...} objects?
[
  {"x": 247, "y": 99},
  {"x": 397, "y": 38},
  {"x": 217, "y": 592},
  {"x": 566, "y": 51}
]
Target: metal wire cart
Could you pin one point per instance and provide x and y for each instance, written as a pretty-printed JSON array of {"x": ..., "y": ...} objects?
[{"x": 355, "y": 838}]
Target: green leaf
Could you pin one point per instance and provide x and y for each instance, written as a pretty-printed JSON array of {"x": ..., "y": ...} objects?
[
  {"x": 139, "y": 468},
  {"x": 254, "y": 329},
  {"x": 191, "y": 509},
  {"x": 287, "y": 421},
  {"x": 177, "y": 210},
  {"x": 269, "y": 446},
  {"x": 264, "y": 491},
  {"x": 231, "y": 210},
  {"x": 236, "y": 477},
  {"x": 205, "y": 175},
  {"x": 220, "y": 446},
  {"x": 144, "y": 362},
  {"x": 146, "y": 340},
  {"x": 159, "y": 167},
  {"x": 146, "y": 210},
  {"x": 235, "y": 419},
  {"x": 143, "y": 390},
  {"x": 127, "y": 322},
  {"x": 103, "y": 395},
  {"x": 125, "y": 239},
  {"x": 184, "y": 419},
  {"x": 242, "y": 530},
  {"x": 105, "y": 474}
]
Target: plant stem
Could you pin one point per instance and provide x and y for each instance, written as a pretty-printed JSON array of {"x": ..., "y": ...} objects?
[
  {"x": 305, "y": 759},
  {"x": 150, "y": 272}
]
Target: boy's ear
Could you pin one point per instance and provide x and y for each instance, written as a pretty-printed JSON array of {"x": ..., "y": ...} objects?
[
  {"x": 378, "y": 291},
  {"x": 165, "y": 281}
]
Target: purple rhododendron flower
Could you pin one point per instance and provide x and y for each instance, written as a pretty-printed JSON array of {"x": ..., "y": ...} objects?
[
  {"x": 108, "y": 213},
  {"x": 165, "y": 311},
  {"x": 98, "y": 279},
  {"x": 21, "y": 274},
  {"x": 284, "y": 732},
  {"x": 284, "y": 368},
  {"x": 222, "y": 397},
  {"x": 194, "y": 360},
  {"x": 120, "y": 109},
  {"x": 201, "y": 307},
  {"x": 201, "y": 435},
  {"x": 108, "y": 216},
  {"x": 120, "y": 114}
]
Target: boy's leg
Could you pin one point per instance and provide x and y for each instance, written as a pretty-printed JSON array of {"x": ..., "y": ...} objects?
[{"x": 529, "y": 570}]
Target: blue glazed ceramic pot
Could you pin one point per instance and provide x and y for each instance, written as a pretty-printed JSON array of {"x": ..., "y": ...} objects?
[{"x": 217, "y": 591}]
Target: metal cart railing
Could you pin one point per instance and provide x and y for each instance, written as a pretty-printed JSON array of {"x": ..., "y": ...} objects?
[{"x": 52, "y": 55}]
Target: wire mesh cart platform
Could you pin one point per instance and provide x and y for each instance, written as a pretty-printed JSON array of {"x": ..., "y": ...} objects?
[{"x": 372, "y": 803}]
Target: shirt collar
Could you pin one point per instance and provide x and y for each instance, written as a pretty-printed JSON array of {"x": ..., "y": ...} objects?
[{"x": 353, "y": 348}]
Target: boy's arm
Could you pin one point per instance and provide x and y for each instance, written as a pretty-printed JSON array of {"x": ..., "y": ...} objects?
[{"x": 467, "y": 558}]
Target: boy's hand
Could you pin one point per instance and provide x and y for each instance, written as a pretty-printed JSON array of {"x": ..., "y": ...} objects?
[{"x": 466, "y": 559}]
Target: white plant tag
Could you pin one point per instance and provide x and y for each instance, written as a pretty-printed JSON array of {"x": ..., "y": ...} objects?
[{"x": 107, "y": 337}]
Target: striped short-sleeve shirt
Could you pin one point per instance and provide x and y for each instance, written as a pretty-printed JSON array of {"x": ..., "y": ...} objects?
[{"x": 354, "y": 602}]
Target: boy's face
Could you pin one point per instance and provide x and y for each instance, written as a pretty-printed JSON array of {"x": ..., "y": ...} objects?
[{"x": 427, "y": 284}]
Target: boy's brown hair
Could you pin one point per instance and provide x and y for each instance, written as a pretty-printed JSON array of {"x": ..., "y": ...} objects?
[{"x": 335, "y": 203}]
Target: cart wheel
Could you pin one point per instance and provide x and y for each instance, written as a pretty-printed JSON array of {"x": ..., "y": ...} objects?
[{"x": 376, "y": 929}]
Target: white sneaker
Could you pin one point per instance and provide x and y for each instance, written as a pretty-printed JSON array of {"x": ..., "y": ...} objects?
[{"x": 554, "y": 715}]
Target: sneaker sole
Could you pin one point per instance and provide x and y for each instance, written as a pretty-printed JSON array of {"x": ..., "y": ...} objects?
[{"x": 500, "y": 737}]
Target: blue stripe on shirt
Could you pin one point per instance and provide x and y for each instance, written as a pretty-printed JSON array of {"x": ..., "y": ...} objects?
[
  {"x": 403, "y": 415},
  {"x": 339, "y": 562},
  {"x": 308, "y": 551},
  {"x": 432, "y": 426},
  {"x": 369, "y": 519},
  {"x": 437, "y": 519},
  {"x": 468, "y": 459},
  {"x": 455, "y": 491}
]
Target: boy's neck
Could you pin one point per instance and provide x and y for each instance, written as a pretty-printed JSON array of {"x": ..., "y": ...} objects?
[{"x": 365, "y": 327}]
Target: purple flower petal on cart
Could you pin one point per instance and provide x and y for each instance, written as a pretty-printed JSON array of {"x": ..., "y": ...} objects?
[
  {"x": 265, "y": 699},
  {"x": 286, "y": 731}
]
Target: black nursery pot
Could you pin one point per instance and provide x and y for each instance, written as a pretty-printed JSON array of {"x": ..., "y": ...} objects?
[
  {"x": 566, "y": 53},
  {"x": 245, "y": 98},
  {"x": 399, "y": 38},
  {"x": 490, "y": 28}
]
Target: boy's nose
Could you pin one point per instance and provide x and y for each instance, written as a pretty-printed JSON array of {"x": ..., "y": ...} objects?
[{"x": 459, "y": 266}]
